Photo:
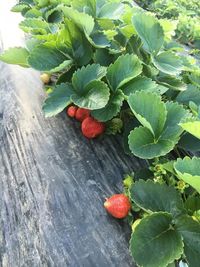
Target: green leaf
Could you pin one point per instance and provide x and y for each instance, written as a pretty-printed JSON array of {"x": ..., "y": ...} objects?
[
  {"x": 169, "y": 27},
  {"x": 189, "y": 143},
  {"x": 189, "y": 62},
  {"x": 47, "y": 58},
  {"x": 35, "y": 26},
  {"x": 188, "y": 170},
  {"x": 149, "y": 110},
  {"x": 95, "y": 95},
  {"x": 192, "y": 204},
  {"x": 143, "y": 145},
  {"x": 85, "y": 75},
  {"x": 87, "y": 25},
  {"x": 112, "y": 11},
  {"x": 190, "y": 231},
  {"x": 150, "y": 31},
  {"x": 142, "y": 142},
  {"x": 194, "y": 108},
  {"x": 58, "y": 100},
  {"x": 31, "y": 2},
  {"x": 168, "y": 62},
  {"x": 47, "y": 38},
  {"x": 175, "y": 114},
  {"x": 33, "y": 13},
  {"x": 192, "y": 127},
  {"x": 124, "y": 69},
  {"x": 155, "y": 243},
  {"x": 103, "y": 57},
  {"x": 143, "y": 83},
  {"x": 82, "y": 20},
  {"x": 66, "y": 76},
  {"x": 169, "y": 166},
  {"x": 129, "y": 124},
  {"x": 111, "y": 109},
  {"x": 53, "y": 15},
  {"x": 85, "y": 6},
  {"x": 74, "y": 40},
  {"x": 191, "y": 94},
  {"x": 31, "y": 43},
  {"x": 65, "y": 65},
  {"x": 107, "y": 25},
  {"x": 128, "y": 31},
  {"x": 42, "y": 3},
  {"x": 172, "y": 82},
  {"x": 15, "y": 55},
  {"x": 98, "y": 39},
  {"x": 195, "y": 78},
  {"x": 152, "y": 196},
  {"x": 20, "y": 7}
]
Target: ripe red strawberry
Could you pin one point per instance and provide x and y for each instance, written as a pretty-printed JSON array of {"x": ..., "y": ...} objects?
[
  {"x": 118, "y": 206},
  {"x": 82, "y": 113},
  {"x": 71, "y": 111},
  {"x": 91, "y": 128}
]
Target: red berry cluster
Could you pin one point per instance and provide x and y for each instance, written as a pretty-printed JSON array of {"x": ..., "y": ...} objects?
[{"x": 90, "y": 127}]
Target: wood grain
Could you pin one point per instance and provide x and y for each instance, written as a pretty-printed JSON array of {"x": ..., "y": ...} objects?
[{"x": 53, "y": 181}]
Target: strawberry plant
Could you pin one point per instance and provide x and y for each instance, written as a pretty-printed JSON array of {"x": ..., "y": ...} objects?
[
  {"x": 169, "y": 214},
  {"x": 184, "y": 13},
  {"x": 116, "y": 69}
]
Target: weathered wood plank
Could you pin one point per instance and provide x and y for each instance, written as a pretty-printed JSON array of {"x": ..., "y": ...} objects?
[{"x": 52, "y": 180}]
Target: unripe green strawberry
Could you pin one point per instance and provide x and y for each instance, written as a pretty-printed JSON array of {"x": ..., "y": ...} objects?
[
  {"x": 114, "y": 126},
  {"x": 82, "y": 113},
  {"x": 45, "y": 78},
  {"x": 118, "y": 206},
  {"x": 71, "y": 111},
  {"x": 92, "y": 128},
  {"x": 128, "y": 181}
]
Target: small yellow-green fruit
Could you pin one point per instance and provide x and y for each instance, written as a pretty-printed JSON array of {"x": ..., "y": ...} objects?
[
  {"x": 128, "y": 181},
  {"x": 181, "y": 185},
  {"x": 45, "y": 78}
]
